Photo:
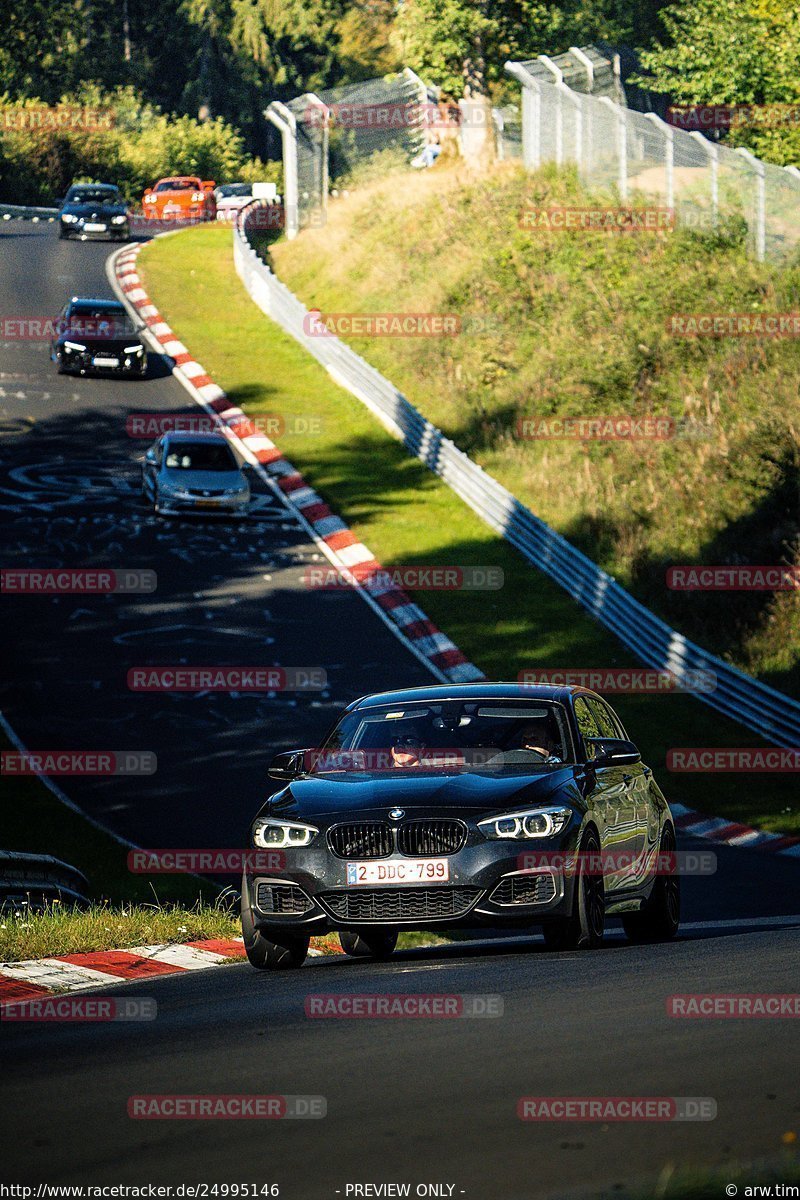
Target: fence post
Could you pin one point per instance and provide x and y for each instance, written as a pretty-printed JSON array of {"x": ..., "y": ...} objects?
[
  {"x": 622, "y": 145},
  {"x": 587, "y": 65},
  {"x": 761, "y": 201},
  {"x": 712, "y": 150},
  {"x": 325, "y": 163},
  {"x": 285, "y": 122},
  {"x": 559, "y": 80},
  {"x": 531, "y": 115},
  {"x": 575, "y": 101},
  {"x": 669, "y": 155}
]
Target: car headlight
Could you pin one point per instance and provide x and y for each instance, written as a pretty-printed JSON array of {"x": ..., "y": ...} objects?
[
  {"x": 150, "y": 198},
  {"x": 273, "y": 834},
  {"x": 69, "y": 218},
  {"x": 137, "y": 349},
  {"x": 118, "y": 220},
  {"x": 74, "y": 346},
  {"x": 530, "y": 823}
]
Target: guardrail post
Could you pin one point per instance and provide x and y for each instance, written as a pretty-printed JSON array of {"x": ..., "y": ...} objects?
[{"x": 761, "y": 201}]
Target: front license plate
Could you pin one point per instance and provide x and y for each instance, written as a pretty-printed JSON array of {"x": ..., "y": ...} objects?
[
  {"x": 207, "y": 503},
  {"x": 412, "y": 870},
  {"x": 92, "y": 228},
  {"x": 105, "y": 362}
]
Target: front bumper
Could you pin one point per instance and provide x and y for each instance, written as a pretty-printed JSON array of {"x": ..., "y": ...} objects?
[
  {"x": 80, "y": 363},
  {"x": 117, "y": 233},
  {"x": 221, "y": 506},
  {"x": 488, "y": 886}
]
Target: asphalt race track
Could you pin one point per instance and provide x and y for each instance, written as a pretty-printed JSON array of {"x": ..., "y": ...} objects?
[
  {"x": 408, "y": 1101},
  {"x": 70, "y": 496}
]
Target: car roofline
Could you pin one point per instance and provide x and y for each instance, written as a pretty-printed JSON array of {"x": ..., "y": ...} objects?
[{"x": 558, "y": 693}]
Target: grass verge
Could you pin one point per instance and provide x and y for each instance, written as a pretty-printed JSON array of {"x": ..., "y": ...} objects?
[
  {"x": 577, "y": 325},
  {"x": 408, "y": 517},
  {"x": 59, "y": 931}
]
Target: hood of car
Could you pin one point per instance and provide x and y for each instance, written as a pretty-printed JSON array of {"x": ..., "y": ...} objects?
[
  {"x": 356, "y": 794},
  {"x": 101, "y": 345}
]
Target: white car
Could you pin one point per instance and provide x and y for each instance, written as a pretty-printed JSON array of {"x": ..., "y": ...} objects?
[{"x": 232, "y": 197}]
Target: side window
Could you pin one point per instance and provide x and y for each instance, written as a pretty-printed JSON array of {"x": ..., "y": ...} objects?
[
  {"x": 604, "y": 719},
  {"x": 587, "y": 723},
  {"x": 159, "y": 451}
]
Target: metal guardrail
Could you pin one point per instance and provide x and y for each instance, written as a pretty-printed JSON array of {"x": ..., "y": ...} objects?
[
  {"x": 24, "y": 212},
  {"x": 765, "y": 711},
  {"x": 39, "y": 879}
]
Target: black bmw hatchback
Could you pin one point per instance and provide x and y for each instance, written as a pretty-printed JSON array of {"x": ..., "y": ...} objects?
[
  {"x": 461, "y": 806},
  {"x": 97, "y": 337},
  {"x": 94, "y": 210}
]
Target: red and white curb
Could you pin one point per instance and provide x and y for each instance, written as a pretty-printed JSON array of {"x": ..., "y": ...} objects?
[
  {"x": 41, "y": 977},
  {"x": 732, "y": 833},
  {"x": 330, "y": 532}
]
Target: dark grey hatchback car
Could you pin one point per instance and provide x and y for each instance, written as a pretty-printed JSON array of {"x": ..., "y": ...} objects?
[{"x": 461, "y": 806}]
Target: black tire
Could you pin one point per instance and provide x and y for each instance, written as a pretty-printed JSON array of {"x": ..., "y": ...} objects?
[
  {"x": 275, "y": 952},
  {"x": 660, "y": 916},
  {"x": 369, "y": 943},
  {"x": 583, "y": 930}
]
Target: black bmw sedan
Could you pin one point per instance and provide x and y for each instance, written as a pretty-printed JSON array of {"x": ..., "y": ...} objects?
[
  {"x": 97, "y": 337},
  {"x": 94, "y": 210},
  {"x": 461, "y": 806}
]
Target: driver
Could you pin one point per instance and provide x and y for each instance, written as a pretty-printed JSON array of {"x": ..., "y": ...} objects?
[
  {"x": 406, "y": 752},
  {"x": 534, "y": 738}
]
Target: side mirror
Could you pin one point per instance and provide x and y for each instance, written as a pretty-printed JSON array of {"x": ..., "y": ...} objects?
[
  {"x": 150, "y": 456},
  {"x": 613, "y": 752},
  {"x": 207, "y": 185},
  {"x": 291, "y": 764}
]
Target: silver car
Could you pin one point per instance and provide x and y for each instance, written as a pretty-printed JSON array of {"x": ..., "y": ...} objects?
[{"x": 195, "y": 472}]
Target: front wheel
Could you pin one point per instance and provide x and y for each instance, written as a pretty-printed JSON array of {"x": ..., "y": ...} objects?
[
  {"x": 272, "y": 949},
  {"x": 583, "y": 930},
  {"x": 660, "y": 915},
  {"x": 369, "y": 943}
]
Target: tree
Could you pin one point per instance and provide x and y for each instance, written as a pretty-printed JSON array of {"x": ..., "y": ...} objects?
[{"x": 735, "y": 52}]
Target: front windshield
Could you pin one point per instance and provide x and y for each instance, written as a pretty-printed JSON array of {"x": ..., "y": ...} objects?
[
  {"x": 450, "y": 736},
  {"x": 98, "y": 323},
  {"x": 90, "y": 195},
  {"x": 178, "y": 185},
  {"x": 200, "y": 456},
  {"x": 235, "y": 189}
]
